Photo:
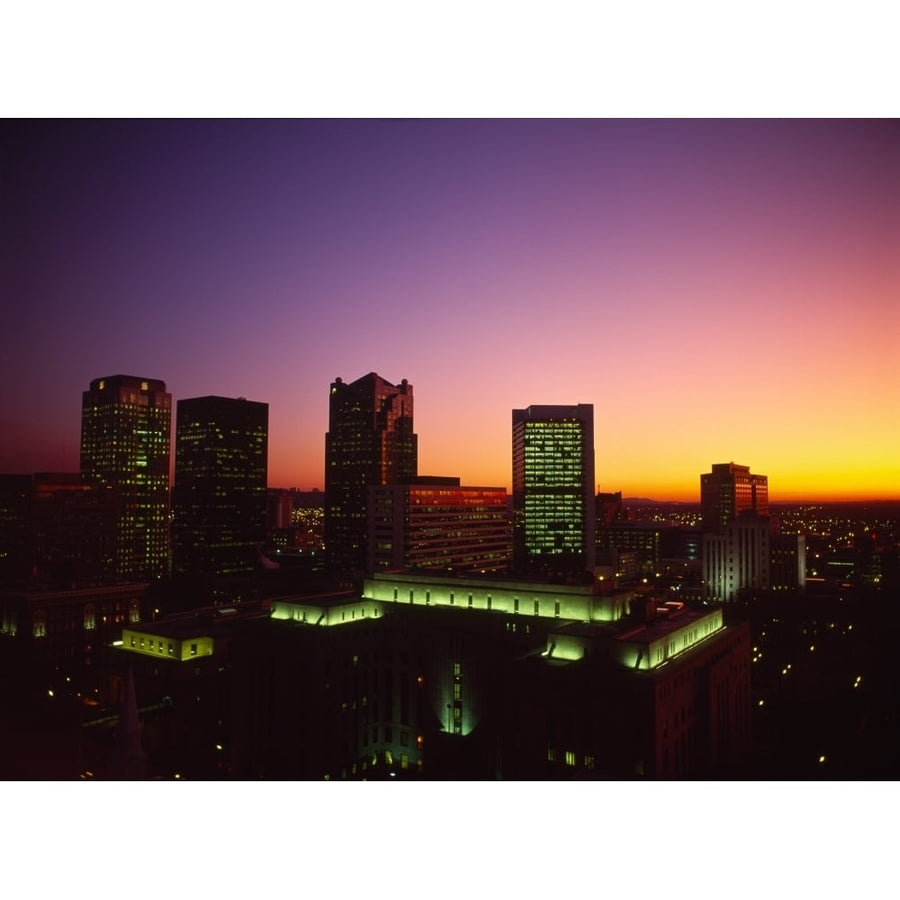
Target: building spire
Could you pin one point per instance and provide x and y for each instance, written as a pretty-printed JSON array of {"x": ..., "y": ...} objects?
[{"x": 129, "y": 761}]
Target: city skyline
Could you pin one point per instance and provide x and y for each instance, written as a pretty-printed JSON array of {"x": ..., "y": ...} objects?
[{"x": 718, "y": 290}]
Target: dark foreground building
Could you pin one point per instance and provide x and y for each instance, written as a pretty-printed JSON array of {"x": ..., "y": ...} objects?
[{"x": 447, "y": 678}]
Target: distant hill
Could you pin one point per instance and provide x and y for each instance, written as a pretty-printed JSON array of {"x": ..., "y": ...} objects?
[{"x": 646, "y": 501}]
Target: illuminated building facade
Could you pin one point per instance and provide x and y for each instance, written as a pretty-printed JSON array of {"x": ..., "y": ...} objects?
[
  {"x": 729, "y": 491},
  {"x": 438, "y": 524},
  {"x": 126, "y": 426},
  {"x": 370, "y": 441},
  {"x": 220, "y": 492},
  {"x": 737, "y": 559},
  {"x": 554, "y": 506}
]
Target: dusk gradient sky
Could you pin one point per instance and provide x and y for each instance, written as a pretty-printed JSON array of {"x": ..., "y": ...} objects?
[{"x": 719, "y": 290}]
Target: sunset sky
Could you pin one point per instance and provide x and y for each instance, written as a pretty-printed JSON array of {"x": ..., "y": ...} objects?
[{"x": 719, "y": 290}]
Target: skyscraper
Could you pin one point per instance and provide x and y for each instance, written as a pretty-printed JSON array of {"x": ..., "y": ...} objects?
[
  {"x": 729, "y": 491},
  {"x": 734, "y": 505},
  {"x": 370, "y": 441},
  {"x": 126, "y": 427},
  {"x": 220, "y": 492},
  {"x": 554, "y": 520}
]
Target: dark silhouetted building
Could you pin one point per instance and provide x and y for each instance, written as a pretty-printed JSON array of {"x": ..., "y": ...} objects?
[
  {"x": 16, "y": 492},
  {"x": 609, "y": 508},
  {"x": 48, "y": 635},
  {"x": 436, "y": 523},
  {"x": 220, "y": 492},
  {"x": 73, "y": 528},
  {"x": 55, "y": 526},
  {"x": 788, "y": 562},
  {"x": 126, "y": 426},
  {"x": 554, "y": 505},
  {"x": 180, "y": 669},
  {"x": 642, "y": 539},
  {"x": 279, "y": 509},
  {"x": 729, "y": 491},
  {"x": 370, "y": 441}
]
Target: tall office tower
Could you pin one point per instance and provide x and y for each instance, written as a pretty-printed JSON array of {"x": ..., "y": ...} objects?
[
  {"x": 126, "y": 428},
  {"x": 554, "y": 509},
  {"x": 729, "y": 491},
  {"x": 370, "y": 441},
  {"x": 435, "y": 523},
  {"x": 220, "y": 493}
]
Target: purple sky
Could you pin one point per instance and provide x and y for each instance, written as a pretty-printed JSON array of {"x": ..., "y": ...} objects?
[{"x": 719, "y": 290}]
